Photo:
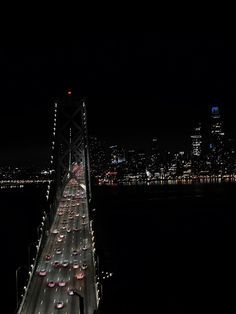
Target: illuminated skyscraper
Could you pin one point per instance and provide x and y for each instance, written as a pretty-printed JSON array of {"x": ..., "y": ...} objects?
[
  {"x": 154, "y": 163},
  {"x": 117, "y": 155},
  {"x": 196, "y": 141},
  {"x": 99, "y": 157},
  {"x": 196, "y": 151},
  {"x": 217, "y": 136}
]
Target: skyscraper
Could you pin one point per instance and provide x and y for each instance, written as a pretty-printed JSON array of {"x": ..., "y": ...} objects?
[
  {"x": 154, "y": 163},
  {"x": 196, "y": 141},
  {"x": 216, "y": 146},
  {"x": 99, "y": 157},
  {"x": 196, "y": 150}
]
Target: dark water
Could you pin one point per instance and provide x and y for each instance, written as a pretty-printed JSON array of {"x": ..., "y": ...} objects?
[
  {"x": 171, "y": 248},
  {"x": 21, "y": 213}
]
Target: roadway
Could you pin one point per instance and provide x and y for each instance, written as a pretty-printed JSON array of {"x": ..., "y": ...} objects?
[{"x": 66, "y": 262}]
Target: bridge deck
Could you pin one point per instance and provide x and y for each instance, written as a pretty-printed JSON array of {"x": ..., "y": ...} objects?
[{"x": 66, "y": 261}]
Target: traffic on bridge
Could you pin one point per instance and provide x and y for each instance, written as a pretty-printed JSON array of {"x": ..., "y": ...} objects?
[{"x": 64, "y": 277}]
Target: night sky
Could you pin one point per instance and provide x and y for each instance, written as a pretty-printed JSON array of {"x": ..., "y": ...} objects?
[{"x": 137, "y": 85}]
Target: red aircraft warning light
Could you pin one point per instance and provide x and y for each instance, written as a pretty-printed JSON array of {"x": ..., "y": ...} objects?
[{"x": 69, "y": 92}]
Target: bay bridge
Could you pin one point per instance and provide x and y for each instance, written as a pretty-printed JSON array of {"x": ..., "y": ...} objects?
[{"x": 64, "y": 276}]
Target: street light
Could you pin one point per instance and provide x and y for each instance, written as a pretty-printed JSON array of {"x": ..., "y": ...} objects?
[
  {"x": 38, "y": 232},
  {"x": 17, "y": 299},
  {"x": 29, "y": 253}
]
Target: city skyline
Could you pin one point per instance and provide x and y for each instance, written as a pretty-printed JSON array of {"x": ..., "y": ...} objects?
[
  {"x": 136, "y": 85},
  {"x": 129, "y": 142}
]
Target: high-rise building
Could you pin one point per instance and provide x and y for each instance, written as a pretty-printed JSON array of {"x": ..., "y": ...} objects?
[
  {"x": 196, "y": 149},
  {"x": 131, "y": 161},
  {"x": 99, "y": 157},
  {"x": 154, "y": 160},
  {"x": 217, "y": 136},
  {"x": 196, "y": 141},
  {"x": 117, "y": 155}
]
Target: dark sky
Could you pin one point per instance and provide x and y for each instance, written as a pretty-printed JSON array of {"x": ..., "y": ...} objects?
[{"x": 137, "y": 85}]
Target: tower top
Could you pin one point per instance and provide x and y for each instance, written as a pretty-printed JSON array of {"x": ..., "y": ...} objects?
[{"x": 215, "y": 110}]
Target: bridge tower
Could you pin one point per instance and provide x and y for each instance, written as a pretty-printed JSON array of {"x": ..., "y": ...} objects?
[{"x": 71, "y": 142}]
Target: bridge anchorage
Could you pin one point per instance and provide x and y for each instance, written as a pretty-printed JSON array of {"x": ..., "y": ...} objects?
[{"x": 64, "y": 277}]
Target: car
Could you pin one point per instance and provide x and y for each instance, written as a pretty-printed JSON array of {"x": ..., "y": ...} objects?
[
  {"x": 75, "y": 264},
  {"x": 62, "y": 283},
  {"x": 59, "y": 304},
  {"x": 58, "y": 251},
  {"x": 74, "y": 252},
  {"x": 51, "y": 284},
  {"x": 48, "y": 257},
  {"x": 56, "y": 264},
  {"x": 70, "y": 291},
  {"x": 84, "y": 266},
  {"x": 42, "y": 272},
  {"x": 84, "y": 248},
  {"x": 55, "y": 231},
  {"x": 65, "y": 263},
  {"x": 79, "y": 275}
]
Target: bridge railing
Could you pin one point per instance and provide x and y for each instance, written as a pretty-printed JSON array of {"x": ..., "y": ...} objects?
[{"x": 41, "y": 242}]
